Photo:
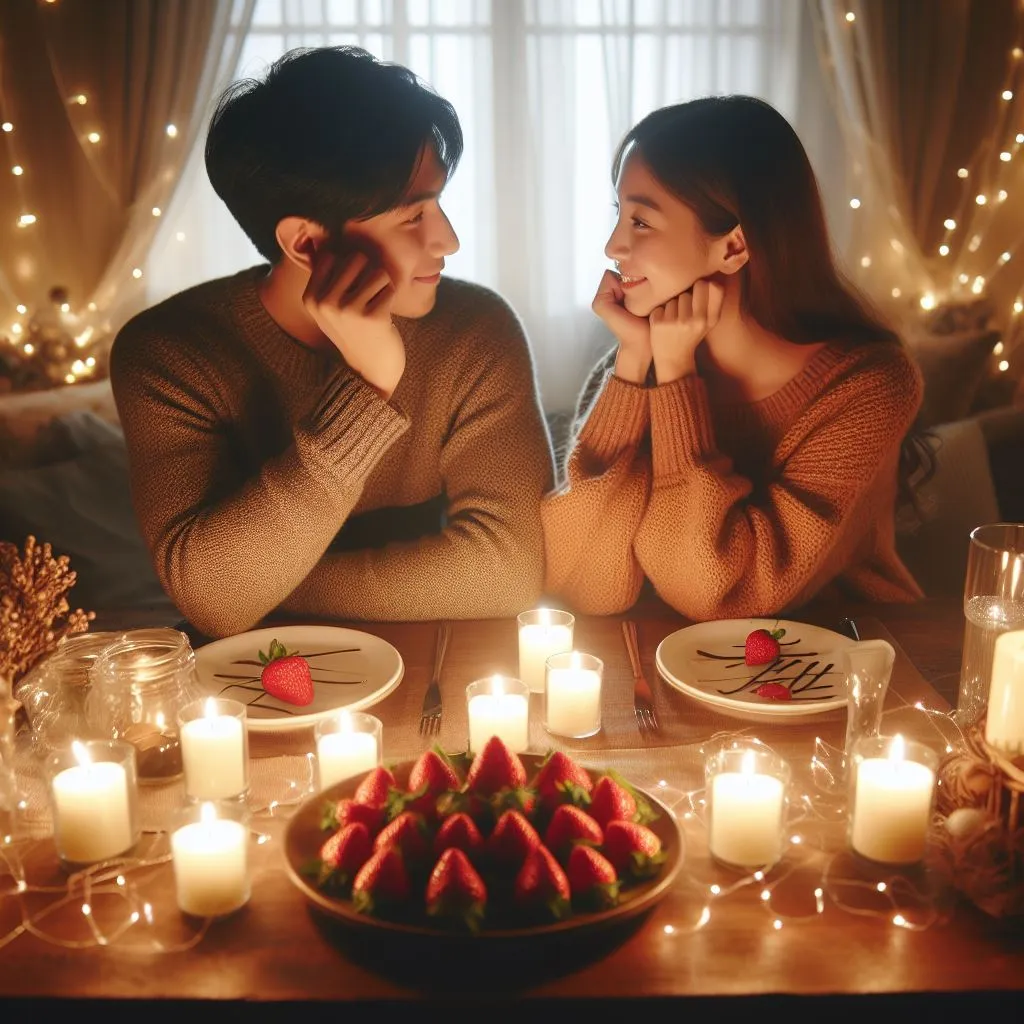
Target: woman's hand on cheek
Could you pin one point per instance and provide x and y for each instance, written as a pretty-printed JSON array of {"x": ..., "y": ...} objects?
[
  {"x": 678, "y": 327},
  {"x": 633, "y": 333}
]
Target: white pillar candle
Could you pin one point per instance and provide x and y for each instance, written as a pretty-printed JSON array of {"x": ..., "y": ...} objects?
[
  {"x": 91, "y": 810},
  {"x": 1004, "y": 724},
  {"x": 746, "y": 816},
  {"x": 211, "y": 865},
  {"x": 213, "y": 751},
  {"x": 573, "y": 699},
  {"x": 538, "y": 640},
  {"x": 499, "y": 713},
  {"x": 892, "y": 807},
  {"x": 345, "y": 753}
]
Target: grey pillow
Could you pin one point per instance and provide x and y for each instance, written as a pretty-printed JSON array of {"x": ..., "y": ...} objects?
[{"x": 81, "y": 505}]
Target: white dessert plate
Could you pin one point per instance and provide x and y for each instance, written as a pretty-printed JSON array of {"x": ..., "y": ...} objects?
[
  {"x": 350, "y": 669},
  {"x": 705, "y": 661}
]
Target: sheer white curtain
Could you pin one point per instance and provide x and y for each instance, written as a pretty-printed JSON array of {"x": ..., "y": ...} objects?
[{"x": 544, "y": 89}]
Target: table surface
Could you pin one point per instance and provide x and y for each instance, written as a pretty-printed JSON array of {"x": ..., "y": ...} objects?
[{"x": 278, "y": 949}]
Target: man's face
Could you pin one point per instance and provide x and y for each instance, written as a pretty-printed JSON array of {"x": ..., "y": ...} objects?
[{"x": 412, "y": 240}]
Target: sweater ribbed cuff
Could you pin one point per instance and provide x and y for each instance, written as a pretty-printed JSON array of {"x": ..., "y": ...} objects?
[
  {"x": 682, "y": 435},
  {"x": 617, "y": 420},
  {"x": 350, "y": 428}
]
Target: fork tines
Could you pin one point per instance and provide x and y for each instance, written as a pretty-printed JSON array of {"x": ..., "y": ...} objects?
[{"x": 643, "y": 700}]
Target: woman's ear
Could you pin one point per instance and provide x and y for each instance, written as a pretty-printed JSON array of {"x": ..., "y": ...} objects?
[
  {"x": 733, "y": 253},
  {"x": 299, "y": 240}
]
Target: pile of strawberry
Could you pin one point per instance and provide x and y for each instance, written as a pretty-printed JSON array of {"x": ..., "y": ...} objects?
[{"x": 486, "y": 847}]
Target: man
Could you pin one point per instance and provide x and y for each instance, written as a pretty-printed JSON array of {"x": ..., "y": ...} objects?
[{"x": 341, "y": 434}]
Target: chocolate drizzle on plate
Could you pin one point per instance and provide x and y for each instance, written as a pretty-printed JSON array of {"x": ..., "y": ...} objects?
[{"x": 804, "y": 674}]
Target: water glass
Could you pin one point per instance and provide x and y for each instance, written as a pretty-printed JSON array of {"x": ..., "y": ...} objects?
[
  {"x": 993, "y": 605},
  {"x": 868, "y": 668}
]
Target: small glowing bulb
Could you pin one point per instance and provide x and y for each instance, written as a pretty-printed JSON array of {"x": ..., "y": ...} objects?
[
  {"x": 7, "y": 126},
  {"x": 26, "y": 219},
  {"x": 974, "y": 243},
  {"x": 978, "y": 285},
  {"x": 669, "y": 929},
  {"x": 1005, "y": 257},
  {"x": 1017, "y": 53},
  {"x": 962, "y": 172},
  {"x": 850, "y": 16},
  {"x": 80, "y": 99},
  {"x": 943, "y": 250},
  {"x": 997, "y": 348},
  {"x": 962, "y": 278},
  {"x": 758, "y": 876},
  {"x": 899, "y": 919},
  {"x": 91, "y": 307},
  {"x": 927, "y": 301},
  {"x": 881, "y": 887},
  {"x": 1019, "y": 138},
  {"x": 1018, "y": 306},
  {"x": 1005, "y": 157},
  {"x": 949, "y": 224},
  {"x": 29, "y": 349},
  {"x": 16, "y": 328},
  {"x": 90, "y": 362},
  {"x": 766, "y": 895},
  {"x": 136, "y": 273},
  {"x": 78, "y": 366},
  {"x": 21, "y": 308},
  {"x": 865, "y": 261},
  {"x": 17, "y": 170},
  {"x": 1007, "y": 94},
  {"x": 65, "y": 307},
  {"x": 795, "y": 840},
  {"x": 86, "y": 909},
  {"x": 93, "y": 137},
  {"x": 896, "y": 293},
  {"x": 69, "y": 378},
  {"x": 157, "y": 211},
  {"x": 172, "y": 131},
  {"x": 1001, "y": 196},
  {"x": 854, "y": 203},
  {"x": 1003, "y": 366},
  {"x": 715, "y": 890},
  {"x": 980, "y": 199},
  {"x": 776, "y": 924}
]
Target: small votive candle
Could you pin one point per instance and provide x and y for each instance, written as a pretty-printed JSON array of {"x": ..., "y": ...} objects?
[
  {"x": 347, "y": 744},
  {"x": 94, "y": 792},
  {"x": 542, "y": 632},
  {"x": 746, "y": 794},
  {"x": 211, "y": 863},
  {"x": 1004, "y": 722},
  {"x": 214, "y": 749},
  {"x": 572, "y": 694},
  {"x": 498, "y": 706},
  {"x": 893, "y": 782}
]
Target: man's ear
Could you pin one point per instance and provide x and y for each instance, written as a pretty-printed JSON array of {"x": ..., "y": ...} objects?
[
  {"x": 299, "y": 239},
  {"x": 732, "y": 251}
]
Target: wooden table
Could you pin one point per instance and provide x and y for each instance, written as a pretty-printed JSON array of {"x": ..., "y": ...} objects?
[{"x": 277, "y": 951}]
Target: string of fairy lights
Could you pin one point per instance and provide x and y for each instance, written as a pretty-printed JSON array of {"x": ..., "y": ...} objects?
[
  {"x": 954, "y": 273},
  {"x": 57, "y": 343}
]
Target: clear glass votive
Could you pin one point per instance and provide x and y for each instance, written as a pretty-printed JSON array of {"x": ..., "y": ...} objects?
[
  {"x": 94, "y": 798},
  {"x": 498, "y": 706},
  {"x": 347, "y": 744},
  {"x": 572, "y": 694},
  {"x": 210, "y": 855},
  {"x": 892, "y": 793},
  {"x": 746, "y": 789},
  {"x": 542, "y": 632},
  {"x": 214, "y": 749}
]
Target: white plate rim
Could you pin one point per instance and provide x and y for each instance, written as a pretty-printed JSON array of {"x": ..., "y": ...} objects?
[
  {"x": 746, "y": 708},
  {"x": 287, "y": 634}
]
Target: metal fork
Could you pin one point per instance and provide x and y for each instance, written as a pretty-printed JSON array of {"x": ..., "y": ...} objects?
[
  {"x": 430, "y": 716},
  {"x": 643, "y": 699}
]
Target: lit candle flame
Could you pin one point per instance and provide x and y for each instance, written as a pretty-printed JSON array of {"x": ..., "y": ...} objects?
[
  {"x": 747, "y": 764},
  {"x": 496, "y": 686},
  {"x": 207, "y": 813},
  {"x": 81, "y": 754},
  {"x": 575, "y": 661},
  {"x": 897, "y": 751},
  {"x": 211, "y": 707}
]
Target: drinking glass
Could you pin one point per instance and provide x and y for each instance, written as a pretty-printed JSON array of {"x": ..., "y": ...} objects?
[
  {"x": 993, "y": 605},
  {"x": 868, "y": 667}
]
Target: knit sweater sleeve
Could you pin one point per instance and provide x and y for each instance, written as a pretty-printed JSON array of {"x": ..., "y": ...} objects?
[
  {"x": 590, "y": 524},
  {"x": 715, "y": 548},
  {"x": 495, "y": 464},
  {"x": 229, "y": 544}
]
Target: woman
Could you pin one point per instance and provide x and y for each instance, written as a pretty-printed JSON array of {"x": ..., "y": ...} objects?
[{"x": 743, "y": 451}]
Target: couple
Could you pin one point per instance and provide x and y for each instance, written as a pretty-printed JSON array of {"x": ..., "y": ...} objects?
[{"x": 345, "y": 435}]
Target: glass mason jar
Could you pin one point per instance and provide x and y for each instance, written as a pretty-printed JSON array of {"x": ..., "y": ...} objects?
[
  {"x": 139, "y": 685},
  {"x": 55, "y": 691}
]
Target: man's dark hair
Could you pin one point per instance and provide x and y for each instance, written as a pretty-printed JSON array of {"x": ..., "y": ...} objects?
[{"x": 331, "y": 134}]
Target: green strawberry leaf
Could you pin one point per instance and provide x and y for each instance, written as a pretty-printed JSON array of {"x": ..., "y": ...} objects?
[
  {"x": 328, "y": 817},
  {"x": 777, "y": 634}
]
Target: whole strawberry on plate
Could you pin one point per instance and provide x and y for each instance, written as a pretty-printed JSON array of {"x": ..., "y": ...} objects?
[
  {"x": 286, "y": 676},
  {"x": 762, "y": 646}
]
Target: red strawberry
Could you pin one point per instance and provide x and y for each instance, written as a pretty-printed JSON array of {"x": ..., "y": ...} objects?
[
  {"x": 610, "y": 801},
  {"x": 455, "y": 891},
  {"x": 346, "y": 811},
  {"x": 774, "y": 691},
  {"x": 494, "y": 768},
  {"x": 592, "y": 879},
  {"x": 344, "y": 853},
  {"x": 406, "y": 832},
  {"x": 286, "y": 676},
  {"x": 382, "y": 882},
  {"x": 762, "y": 646},
  {"x": 511, "y": 841},
  {"x": 541, "y": 885},
  {"x": 458, "y": 831},
  {"x": 570, "y": 825},
  {"x": 375, "y": 787},
  {"x": 632, "y": 848},
  {"x": 560, "y": 780},
  {"x": 429, "y": 777}
]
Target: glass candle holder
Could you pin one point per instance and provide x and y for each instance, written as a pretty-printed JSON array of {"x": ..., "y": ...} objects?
[
  {"x": 572, "y": 695},
  {"x": 210, "y": 854},
  {"x": 214, "y": 749},
  {"x": 347, "y": 744},
  {"x": 892, "y": 792},
  {"x": 139, "y": 684},
  {"x": 94, "y": 797},
  {"x": 542, "y": 632},
  {"x": 746, "y": 800},
  {"x": 498, "y": 706}
]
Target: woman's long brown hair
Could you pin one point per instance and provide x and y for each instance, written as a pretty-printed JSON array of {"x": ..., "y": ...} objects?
[{"x": 736, "y": 160}]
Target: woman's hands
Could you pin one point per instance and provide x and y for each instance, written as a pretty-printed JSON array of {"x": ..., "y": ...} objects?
[
  {"x": 679, "y": 326},
  {"x": 633, "y": 333}
]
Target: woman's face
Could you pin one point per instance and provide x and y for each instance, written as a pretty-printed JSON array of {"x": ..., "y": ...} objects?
[{"x": 658, "y": 244}]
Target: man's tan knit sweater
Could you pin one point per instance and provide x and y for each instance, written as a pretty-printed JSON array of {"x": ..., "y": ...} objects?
[
  {"x": 250, "y": 452},
  {"x": 737, "y": 510}
]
